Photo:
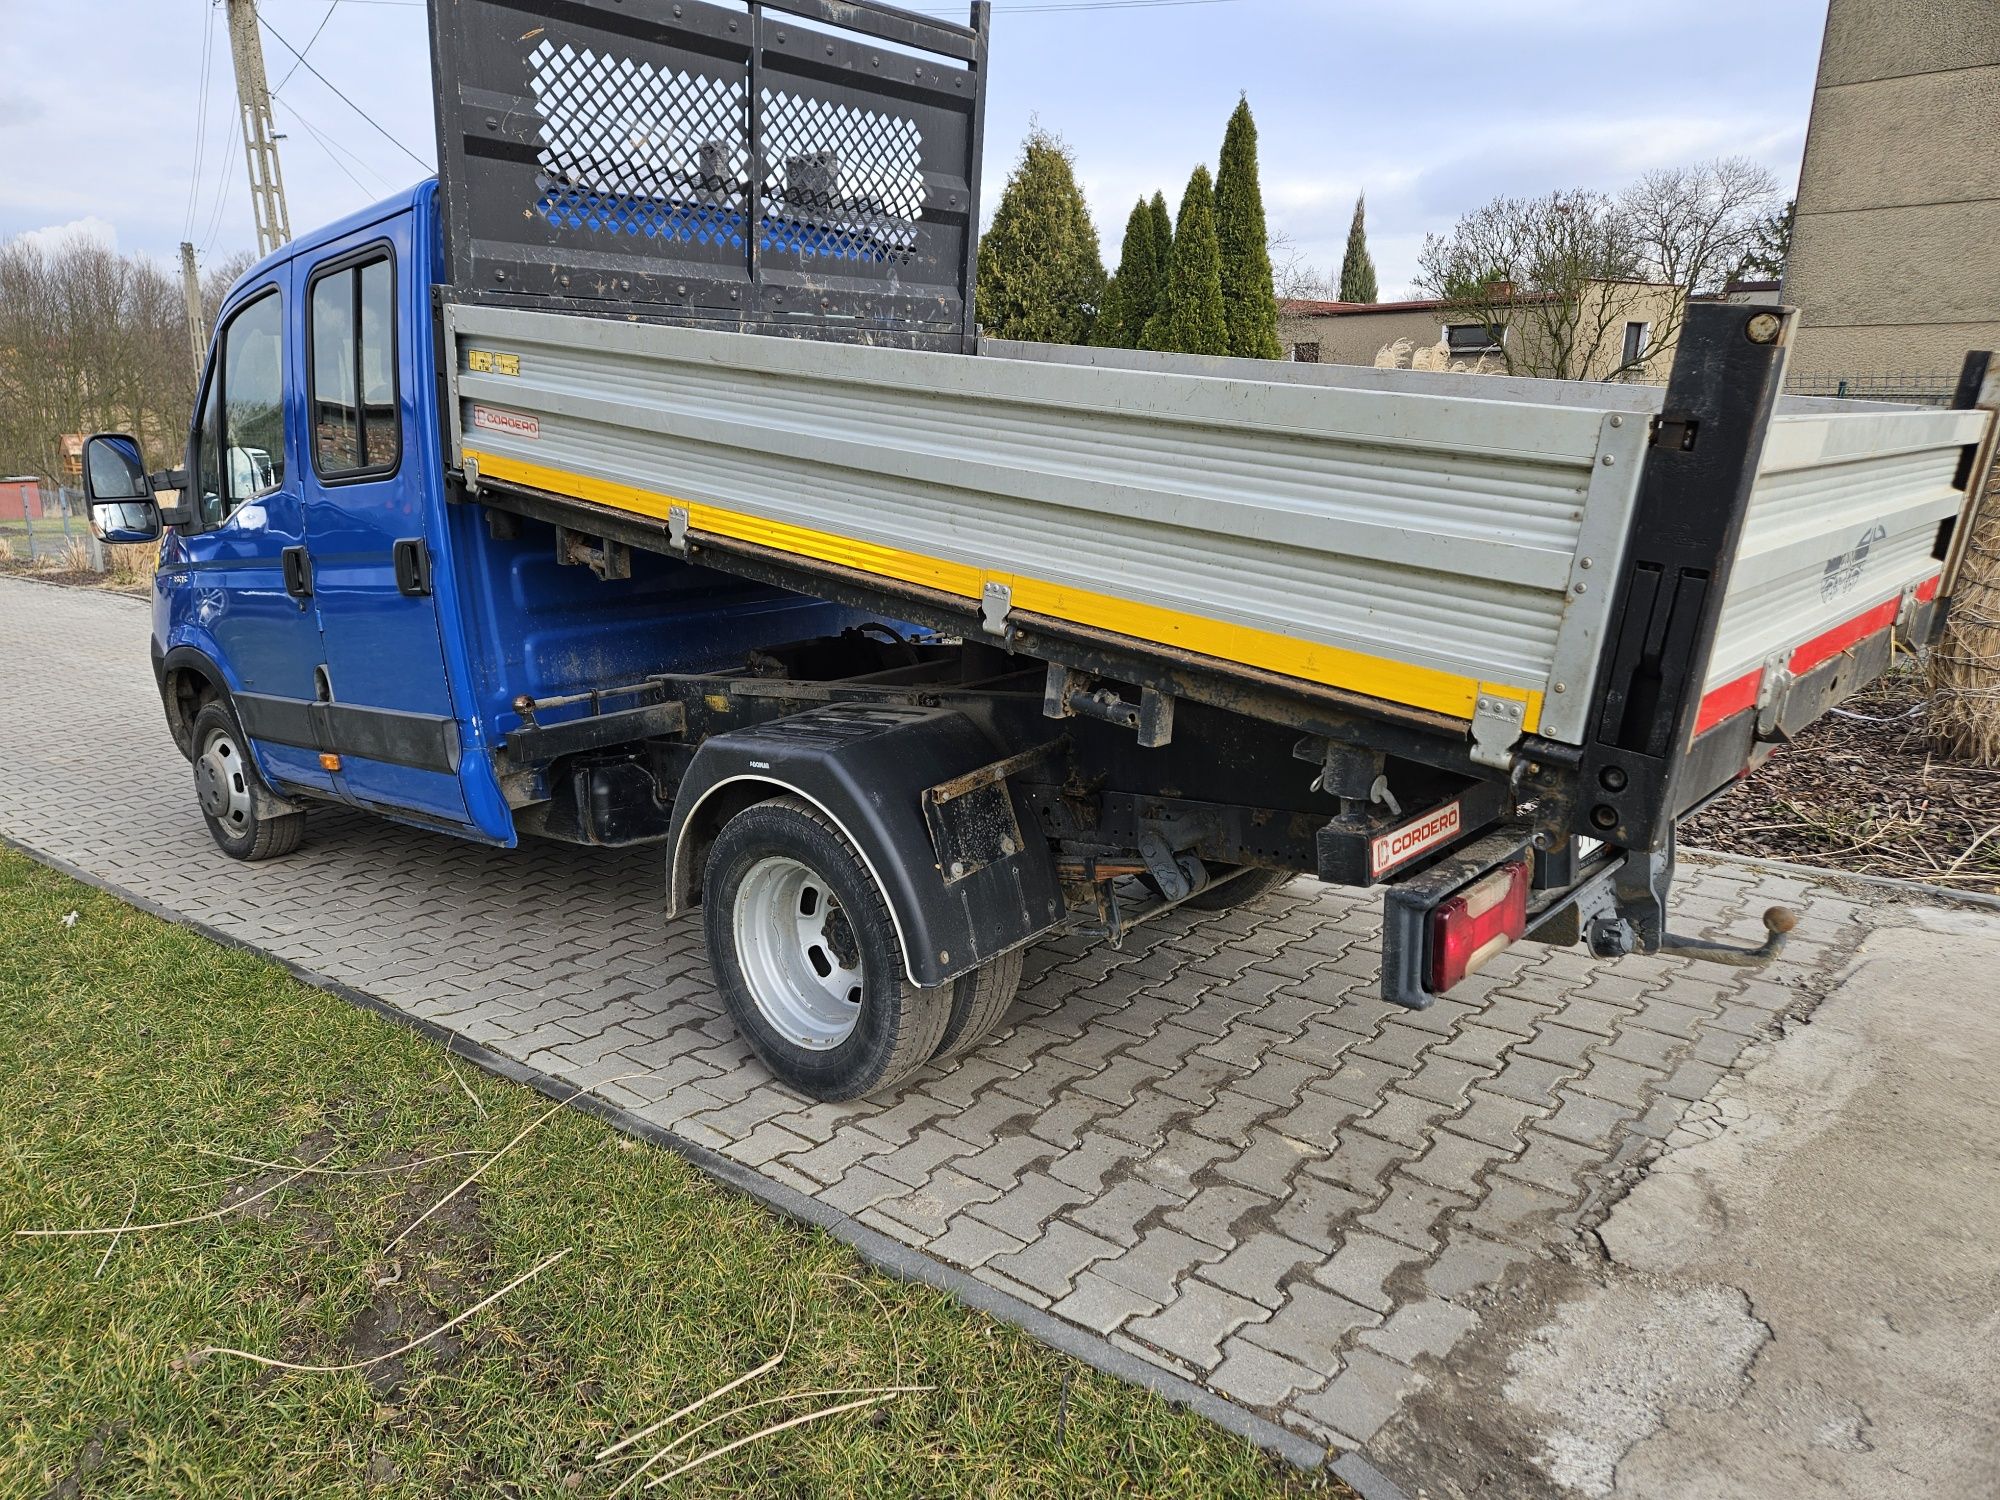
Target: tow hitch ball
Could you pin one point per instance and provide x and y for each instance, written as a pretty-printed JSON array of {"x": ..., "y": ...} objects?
[{"x": 1612, "y": 936}]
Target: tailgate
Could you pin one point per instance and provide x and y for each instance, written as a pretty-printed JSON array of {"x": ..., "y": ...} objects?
[{"x": 1774, "y": 549}]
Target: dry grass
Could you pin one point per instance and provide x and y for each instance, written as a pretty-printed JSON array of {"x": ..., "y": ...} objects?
[
  {"x": 132, "y": 567},
  {"x": 1865, "y": 790},
  {"x": 6, "y": 549},
  {"x": 1965, "y": 667}
]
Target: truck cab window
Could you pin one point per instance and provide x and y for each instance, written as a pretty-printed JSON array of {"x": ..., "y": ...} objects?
[
  {"x": 207, "y": 464},
  {"x": 252, "y": 448},
  {"x": 355, "y": 426}
]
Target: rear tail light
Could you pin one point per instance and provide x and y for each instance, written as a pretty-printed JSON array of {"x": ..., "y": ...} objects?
[{"x": 1470, "y": 927}]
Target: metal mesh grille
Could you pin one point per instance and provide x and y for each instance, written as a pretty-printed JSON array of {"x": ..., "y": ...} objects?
[
  {"x": 632, "y": 149},
  {"x": 840, "y": 181}
]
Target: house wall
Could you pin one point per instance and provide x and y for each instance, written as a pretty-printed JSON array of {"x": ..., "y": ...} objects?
[
  {"x": 1610, "y": 306},
  {"x": 1353, "y": 338},
  {"x": 20, "y": 499},
  {"x": 1894, "y": 264}
]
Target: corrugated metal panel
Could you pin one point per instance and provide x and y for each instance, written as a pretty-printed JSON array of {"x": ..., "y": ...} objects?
[
  {"x": 1844, "y": 515},
  {"x": 1431, "y": 530}
]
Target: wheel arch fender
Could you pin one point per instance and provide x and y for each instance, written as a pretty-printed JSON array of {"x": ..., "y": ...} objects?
[
  {"x": 187, "y": 675},
  {"x": 866, "y": 768}
]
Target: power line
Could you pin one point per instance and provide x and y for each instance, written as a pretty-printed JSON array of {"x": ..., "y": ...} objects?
[
  {"x": 336, "y": 152},
  {"x": 331, "y": 7},
  {"x": 320, "y": 141},
  {"x": 201, "y": 121},
  {"x": 372, "y": 125}
]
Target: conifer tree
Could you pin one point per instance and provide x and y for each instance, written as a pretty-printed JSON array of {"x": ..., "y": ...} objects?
[
  {"x": 1193, "y": 320},
  {"x": 1107, "y": 329},
  {"x": 1250, "y": 304},
  {"x": 1357, "y": 267},
  {"x": 1152, "y": 329},
  {"x": 1163, "y": 240},
  {"x": 1040, "y": 274},
  {"x": 1139, "y": 279}
]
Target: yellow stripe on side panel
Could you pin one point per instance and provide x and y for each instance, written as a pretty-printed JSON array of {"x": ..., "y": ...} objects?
[{"x": 1375, "y": 676}]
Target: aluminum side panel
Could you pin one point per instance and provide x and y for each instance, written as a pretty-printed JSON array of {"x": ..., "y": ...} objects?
[{"x": 1433, "y": 531}]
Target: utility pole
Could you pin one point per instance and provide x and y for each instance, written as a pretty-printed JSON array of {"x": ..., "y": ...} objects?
[
  {"x": 260, "y": 137},
  {"x": 191, "y": 289}
]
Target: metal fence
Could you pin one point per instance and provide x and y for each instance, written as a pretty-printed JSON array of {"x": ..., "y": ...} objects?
[
  {"x": 59, "y": 537},
  {"x": 1911, "y": 390}
]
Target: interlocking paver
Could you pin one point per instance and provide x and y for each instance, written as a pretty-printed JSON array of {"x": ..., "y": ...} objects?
[
  {"x": 1259, "y": 1266},
  {"x": 1313, "y": 1326},
  {"x": 1236, "y": 1076},
  {"x": 1159, "y": 1263},
  {"x": 1051, "y": 1263},
  {"x": 1363, "y": 1396},
  {"x": 1194, "y": 1325},
  {"x": 1411, "y": 1211},
  {"x": 1101, "y": 1304},
  {"x": 1257, "y": 1377},
  {"x": 1362, "y": 1266}
]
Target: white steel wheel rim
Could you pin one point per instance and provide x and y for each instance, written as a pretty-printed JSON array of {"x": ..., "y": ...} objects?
[
  {"x": 222, "y": 782},
  {"x": 799, "y": 953}
]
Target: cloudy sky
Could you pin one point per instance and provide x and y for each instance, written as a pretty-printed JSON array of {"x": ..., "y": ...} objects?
[{"x": 1430, "y": 106}]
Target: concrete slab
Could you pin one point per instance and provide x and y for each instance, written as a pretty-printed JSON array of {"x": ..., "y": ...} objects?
[{"x": 1800, "y": 1300}]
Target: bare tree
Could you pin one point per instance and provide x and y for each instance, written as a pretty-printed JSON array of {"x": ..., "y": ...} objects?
[
  {"x": 91, "y": 340},
  {"x": 1547, "y": 278},
  {"x": 1560, "y": 279},
  {"x": 1292, "y": 276}
]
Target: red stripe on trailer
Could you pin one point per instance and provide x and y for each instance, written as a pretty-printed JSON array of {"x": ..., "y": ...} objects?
[
  {"x": 1825, "y": 647},
  {"x": 1740, "y": 693},
  {"x": 1729, "y": 700}
]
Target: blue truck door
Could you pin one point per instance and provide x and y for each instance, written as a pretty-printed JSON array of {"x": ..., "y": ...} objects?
[
  {"x": 249, "y": 588},
  {"x": 368, "y": 515}
]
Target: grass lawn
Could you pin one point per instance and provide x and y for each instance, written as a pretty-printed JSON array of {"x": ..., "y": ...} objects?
[{"x": 129, "y": 1048}]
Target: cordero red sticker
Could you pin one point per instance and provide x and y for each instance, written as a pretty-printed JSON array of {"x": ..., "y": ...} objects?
[
  {"x": 511, "y": 423},
  {"x": 1418, "y": 836}
]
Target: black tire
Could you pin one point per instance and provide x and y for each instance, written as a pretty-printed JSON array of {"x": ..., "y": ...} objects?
[
  {"x": 244, "y": 817},
  {"x": 897, "y": 1025},
  {"x": 1241, "y": 891},
  {"x": 978, "y": 1001}
]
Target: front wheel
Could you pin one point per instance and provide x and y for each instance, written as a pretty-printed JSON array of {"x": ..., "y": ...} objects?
[
  {"x": 807, "y": 958},
  {"x": 234, "y": 801}
]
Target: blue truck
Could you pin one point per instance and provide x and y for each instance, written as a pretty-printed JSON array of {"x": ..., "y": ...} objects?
[{"x": 646, "y": 479}]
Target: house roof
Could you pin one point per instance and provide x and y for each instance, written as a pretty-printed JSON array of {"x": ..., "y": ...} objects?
[
  {"x": 1306, "y": 308},
  {"x": 1296, "y": 307}
]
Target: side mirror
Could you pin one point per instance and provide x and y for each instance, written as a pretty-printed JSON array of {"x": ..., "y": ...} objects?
[{"x": 122, "y": 508}]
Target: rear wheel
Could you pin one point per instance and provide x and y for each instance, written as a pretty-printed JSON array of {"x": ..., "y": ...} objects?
[
  {"x": 237, "y": 806},
  {"x": 978, "y": 1002},
  {"x": 807, "y": 956}
]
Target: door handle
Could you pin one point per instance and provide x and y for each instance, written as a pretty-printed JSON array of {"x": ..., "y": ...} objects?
[
  {"x": 298, "y": 572},
  {"x": 413, "y": 567}
]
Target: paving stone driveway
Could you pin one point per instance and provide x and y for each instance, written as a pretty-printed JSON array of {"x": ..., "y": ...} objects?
[{"x": 1217, "y": 1149}]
